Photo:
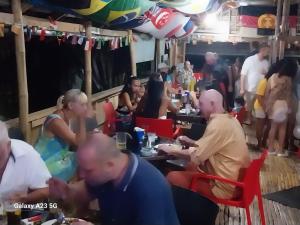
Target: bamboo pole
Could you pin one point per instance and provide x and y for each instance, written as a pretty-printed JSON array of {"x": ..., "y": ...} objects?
[
  {"x": 88, "y": 63},
  {"x": 171, "y": 55},
  {"x": 21, "y": 69},
  {"x": 132, "y": 53},
  {"x": 157, "y": 53},
  {"x": 284, "y": 24},
  {"x": 277, "y": 31},
  {"x": 175, "y": 46},
  {"x": 183, "y": 51}
]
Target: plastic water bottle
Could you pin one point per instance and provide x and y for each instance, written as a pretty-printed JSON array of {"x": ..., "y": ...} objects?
[{"x": 188, "y": 104}]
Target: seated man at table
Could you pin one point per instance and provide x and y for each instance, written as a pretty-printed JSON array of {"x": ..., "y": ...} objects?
[
  {"x": 130, "y": 191},
  {"x": 23, "y": 173},
  {"x": 222, "y": 150}
]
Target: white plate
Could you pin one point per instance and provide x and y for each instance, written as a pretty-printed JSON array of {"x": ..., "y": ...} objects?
[
  {"x": 156, "y": 147},
  {"x": 148, "y": 153},
  {"x": 173, "y": 145},
  {"x": 51, "y": 222},
  {"x": 182, "y": 111}
]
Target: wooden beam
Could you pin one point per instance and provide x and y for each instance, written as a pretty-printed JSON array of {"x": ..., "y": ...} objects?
[
  {"x": 284, "y": 24},
  {"x": 175, "y": 47},
  {"x": 132, "y": 53},
  {"x": 88, "y": 63},
  {"x": 184, "y": 50},
  {"x": 171, "y": 56},
  {"x": 21, "y": 69},
  {"x": 37, "y": 118},
  {"x": 277, "y": 31},
  {"x": 157, "y": 53},
  {"x": 7, "y": 18}
]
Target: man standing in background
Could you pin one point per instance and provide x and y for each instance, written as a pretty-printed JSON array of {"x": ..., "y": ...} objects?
[
  {"x": 186, "y": 75},
  {"x": 211, "y": 59},
  {"x": 254, "y": 69}
]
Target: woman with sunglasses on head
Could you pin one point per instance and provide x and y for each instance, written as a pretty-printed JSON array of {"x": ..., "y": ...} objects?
[{"x": 128, "y": 100}]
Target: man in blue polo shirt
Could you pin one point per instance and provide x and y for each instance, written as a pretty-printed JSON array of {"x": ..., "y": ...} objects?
[{"x": 130, "y": 191}]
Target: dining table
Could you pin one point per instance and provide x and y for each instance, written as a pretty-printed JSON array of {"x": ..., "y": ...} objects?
[{"x": 192, "y": 117}]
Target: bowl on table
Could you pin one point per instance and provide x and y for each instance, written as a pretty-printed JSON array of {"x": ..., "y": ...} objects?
[
  {"x": 178, "y": 146},
  {"x": 183, "y": 111},
  {"x": 69, "y": 221},
  {"x": 147, "y": 152}
]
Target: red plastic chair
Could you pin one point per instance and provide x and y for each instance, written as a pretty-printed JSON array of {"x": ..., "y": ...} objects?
[
  {"x": 198, "y": 76},
  {"x": 162, "y": 127},
  {"x": 250, "y": 186},
  {"x": 109, "y": 126},
  {"x": 241, "y": 115}
]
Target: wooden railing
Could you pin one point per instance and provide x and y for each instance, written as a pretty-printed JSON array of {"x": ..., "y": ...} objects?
[{"x": 36, "y": 119}]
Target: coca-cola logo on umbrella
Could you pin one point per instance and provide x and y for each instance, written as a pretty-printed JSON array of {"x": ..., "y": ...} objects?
[{"x": 160, "y": 17}]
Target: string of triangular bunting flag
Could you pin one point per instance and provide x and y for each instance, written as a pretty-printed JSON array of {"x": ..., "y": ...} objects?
[
  {"x": 97, "y": 42},
  {"x": 169, "y": 43}
]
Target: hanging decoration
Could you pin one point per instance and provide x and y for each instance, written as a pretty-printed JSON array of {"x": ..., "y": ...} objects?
[
  {"x": 74, "y": 40},
  {"x": 155, "y": 19},
  {"x": 121, "y": 11},
  {"x": 80, "y": 40},
  {"x": 16, "y": 29},
  {"x": 59, "y": 40},
  {"x": 87, "y": 45},
  {"x": 99, "y": 45},
  {"x": 28, "y": 33},
  {"x": 187, "y": 6},
  {"x": 96, "y": 42},
  {"x": 43, "y": 35},
  {"x": 160, "y": 18},
  {"x": 186, "y": 30}
]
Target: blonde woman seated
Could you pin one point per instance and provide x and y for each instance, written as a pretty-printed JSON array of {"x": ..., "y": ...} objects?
[
  {"x": 56, "y": 136},
  {"x": 156, "y": 103}
]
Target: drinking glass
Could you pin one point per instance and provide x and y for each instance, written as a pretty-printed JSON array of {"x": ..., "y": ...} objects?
[
  {"x": 13, "y": 213},
  {"x": 121, "y": 140},
  {"x": 3, "y": 219},
  {"x": 151, "y": 139},
  {"x": 188, "y": 109}
]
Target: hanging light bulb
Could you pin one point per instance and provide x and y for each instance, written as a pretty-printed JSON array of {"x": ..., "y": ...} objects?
[{"x": 211, "y": 19}]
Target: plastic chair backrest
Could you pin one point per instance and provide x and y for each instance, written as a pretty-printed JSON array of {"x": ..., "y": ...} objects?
[
  {"x": 241, "y": 115},
  {"x": 162, "y": 127},
  {"x": 198, "y": 76},
  {"x": 110, "y": 118},
  {"x": 251, "y": 178}
]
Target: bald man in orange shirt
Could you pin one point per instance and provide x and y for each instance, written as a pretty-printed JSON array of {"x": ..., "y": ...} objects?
[{"x": 222, "y": 151}]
